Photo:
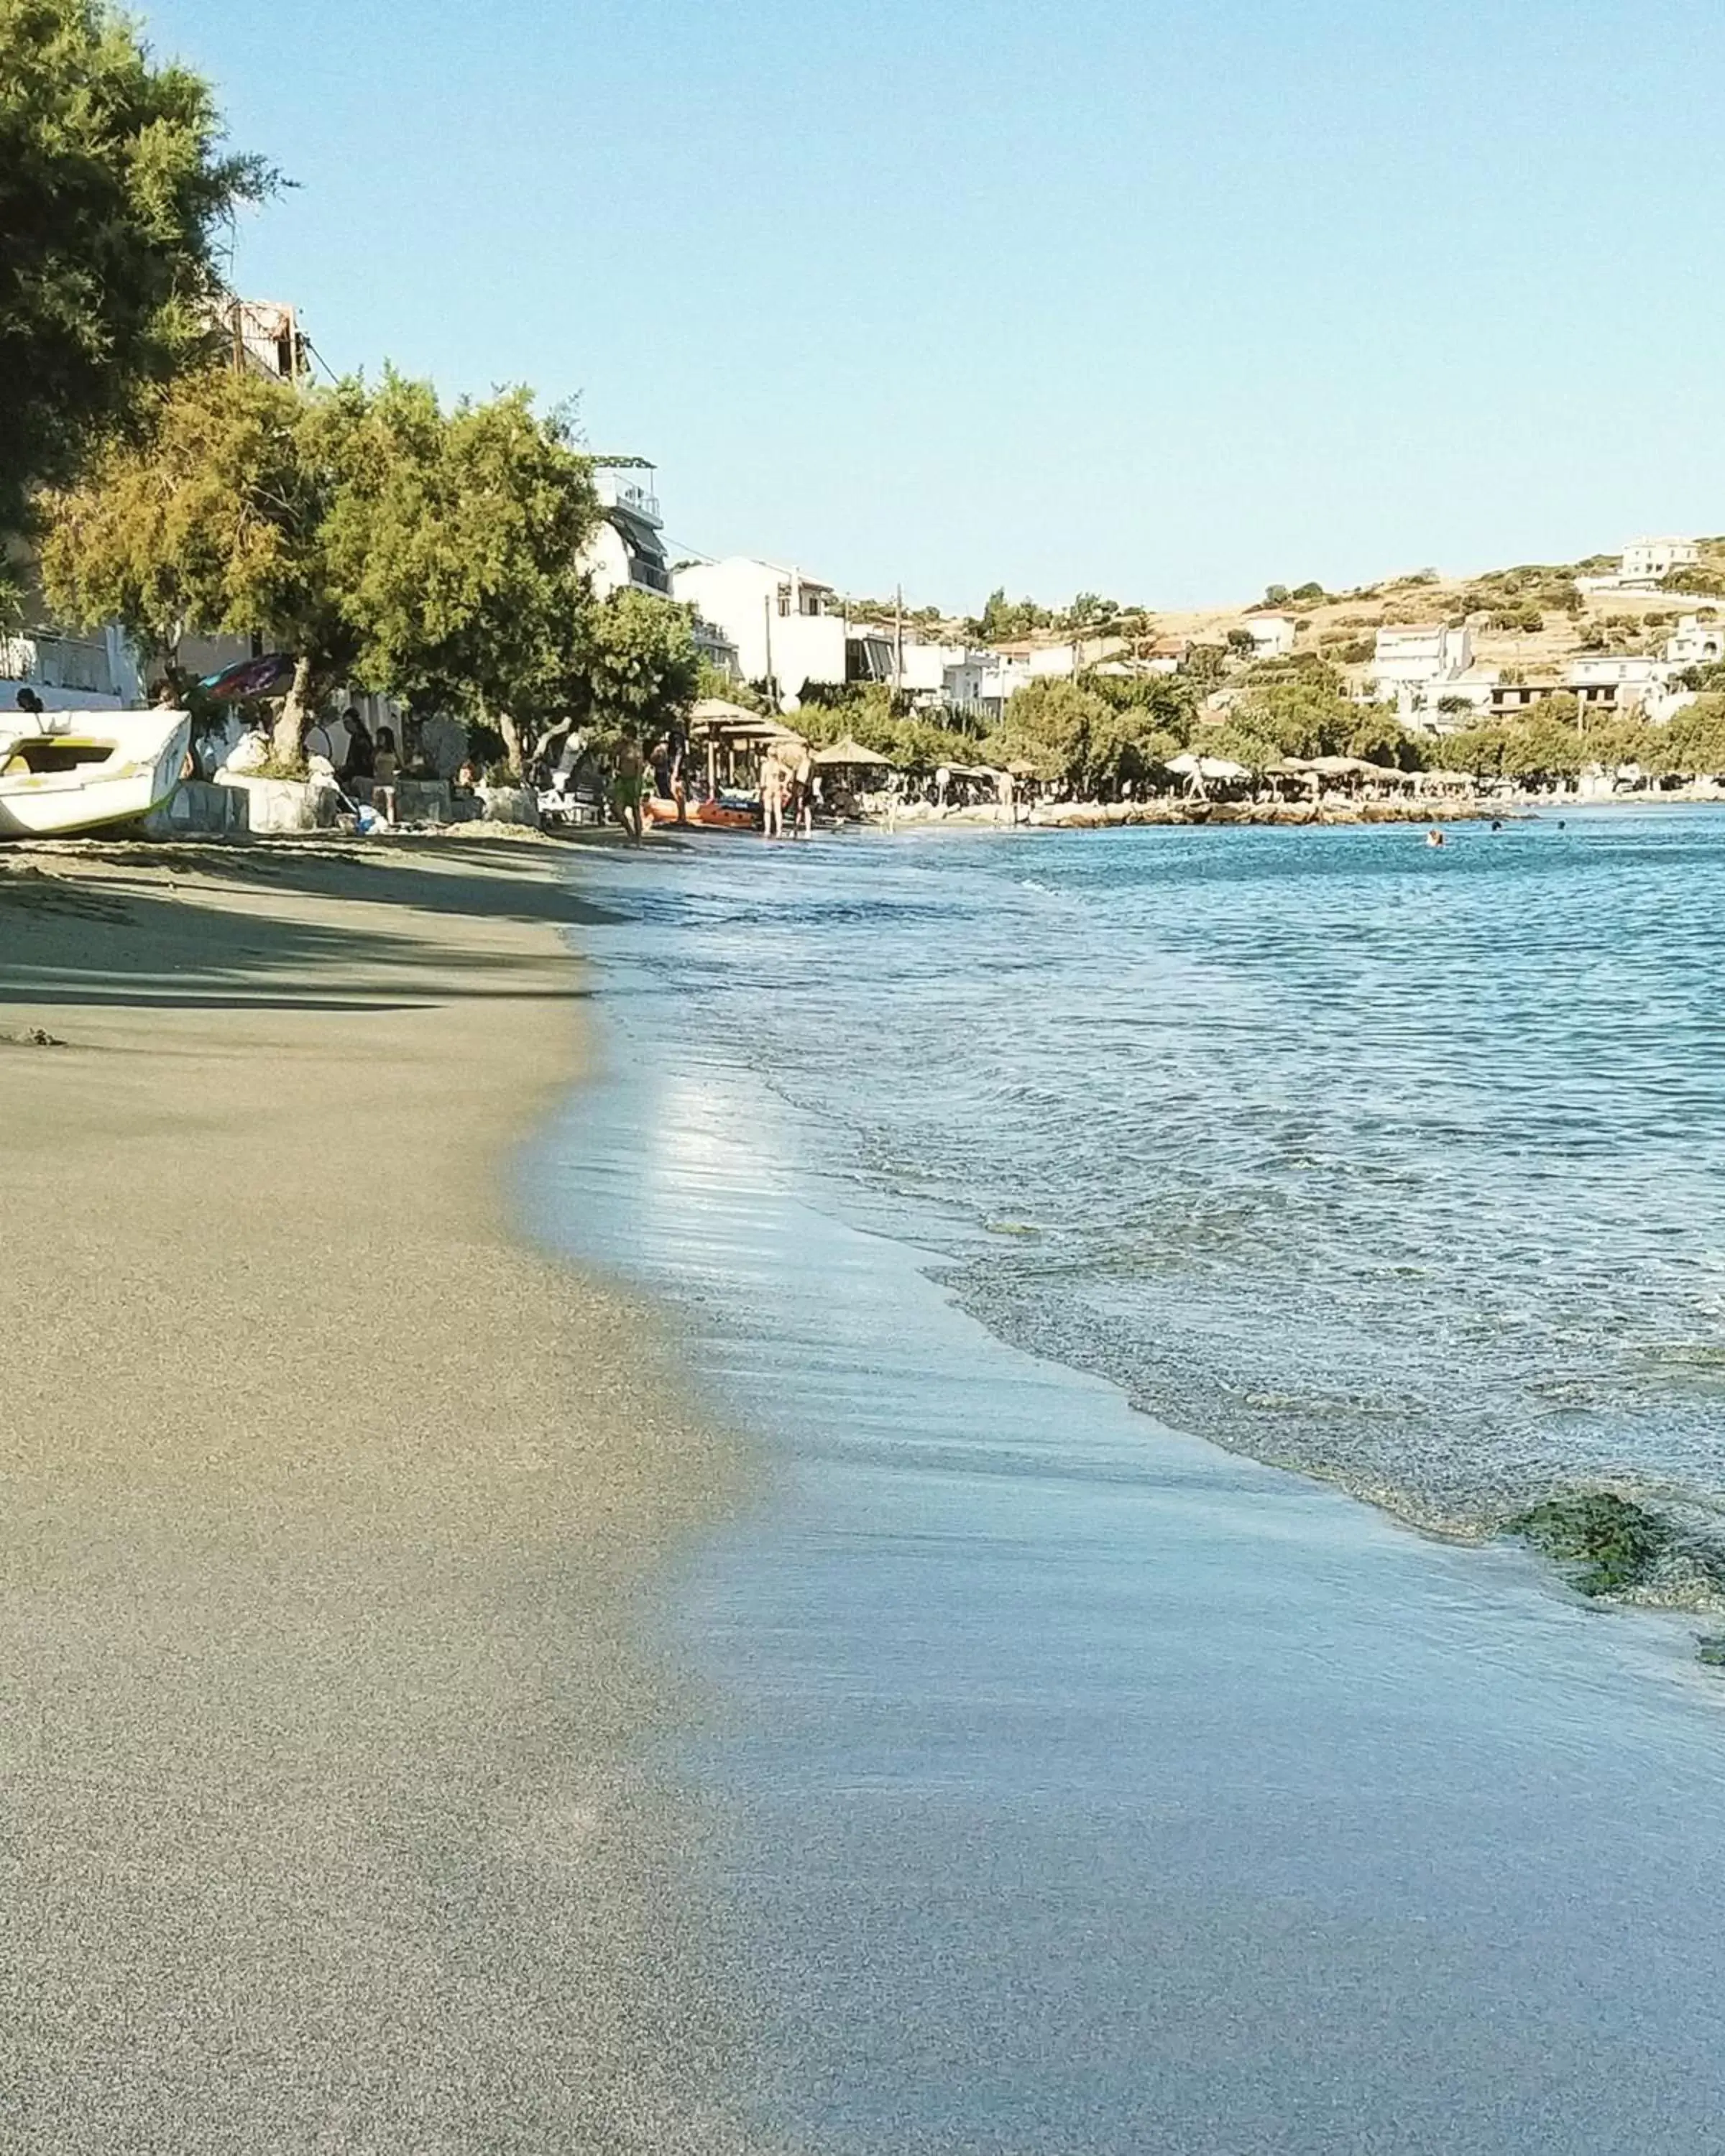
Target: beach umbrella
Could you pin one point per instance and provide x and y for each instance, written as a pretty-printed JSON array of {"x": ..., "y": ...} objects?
[
  {"x": 850, "y": 753},
  {"x": 718, "y": 711},
  {"x": 1188, "y": 765},
  {"x": 249, "y": 677}
]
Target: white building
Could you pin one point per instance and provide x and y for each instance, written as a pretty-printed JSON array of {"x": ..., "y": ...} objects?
[
  {"x": 1272, "y": 634},
  {"x": 627, "y": 553},
  {"x": 94, "y": 673},
  {"x": 1646, "y": 562},
  {"x": 1419, "y": 657},
  {"x": 935, "y": 671},
  {"x": 1696, "y": 643},
  {"x": 785, "y": 626}
]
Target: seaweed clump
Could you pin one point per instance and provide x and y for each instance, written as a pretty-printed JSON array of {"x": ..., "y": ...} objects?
[
  {"x": 1606, "y": 1543},
  {"x": 1709, "y": 1648}
]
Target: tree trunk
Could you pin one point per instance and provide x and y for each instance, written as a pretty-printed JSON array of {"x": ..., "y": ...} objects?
[
  {"x": 288, "y": 744},
  {"x": 512, "y": 734}
]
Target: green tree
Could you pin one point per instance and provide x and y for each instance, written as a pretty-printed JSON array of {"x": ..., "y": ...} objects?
[
  {"x": 213, "y": 519},
  {"x": 1164, "y": 705},
  {"x": 1377, "y": 736},
  {"x": 1695, "y": 740},
  {"x": 640, "y": 669},
  {"x": 1002, "y": 619},
  {"x": 454, "y": 542},
  {"x": 111, "y": 192},
  {"x": 1063, "y": 730}
]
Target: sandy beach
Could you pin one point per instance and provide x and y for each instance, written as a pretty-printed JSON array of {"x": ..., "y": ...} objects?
[{"x": 330, "y": 1522}]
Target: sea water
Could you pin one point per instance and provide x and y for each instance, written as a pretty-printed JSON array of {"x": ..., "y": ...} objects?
[
  {"x": 1086, "y": 1787},
  {"x": 1402, "y": 1163}
]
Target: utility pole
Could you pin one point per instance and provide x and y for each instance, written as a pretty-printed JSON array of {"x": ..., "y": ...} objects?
[
  {"x": 898, "y": 641},
  {"x": 767, "y": 612}
]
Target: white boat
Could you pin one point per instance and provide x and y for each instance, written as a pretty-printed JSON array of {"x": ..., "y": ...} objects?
[{"x": 66, "y": 772}]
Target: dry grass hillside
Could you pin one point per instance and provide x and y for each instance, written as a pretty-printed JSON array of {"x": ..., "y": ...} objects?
[{"x": 1531, "y": 619}]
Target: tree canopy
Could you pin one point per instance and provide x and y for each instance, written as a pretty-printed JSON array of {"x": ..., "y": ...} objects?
[
  {"x": 454, "y": 542},
  {"x": 213, "y": 519},
  {"x": 112, "y": 187},
  {"x": 1075, "y": 732},
  {"x": 435, "y": 555},
  {"x": 642, "y": 670}
]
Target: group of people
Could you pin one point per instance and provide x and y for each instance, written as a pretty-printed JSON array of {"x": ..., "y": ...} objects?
[
  {"x": 786, "y": 786},
  {"x": 639, "y": 775},
  {"x": 362, "y": 764}
]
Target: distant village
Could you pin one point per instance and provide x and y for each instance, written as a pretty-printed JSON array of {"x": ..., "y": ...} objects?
[{"x": 1624, "y": 636}]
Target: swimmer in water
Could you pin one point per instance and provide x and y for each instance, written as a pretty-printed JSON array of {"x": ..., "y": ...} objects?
[{"x": 1434, "y": 837}]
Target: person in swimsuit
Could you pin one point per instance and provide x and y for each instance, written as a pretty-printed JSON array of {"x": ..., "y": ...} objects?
[
  {"x": 626, "y": 776},
  {"x": 773, "y": 783}
]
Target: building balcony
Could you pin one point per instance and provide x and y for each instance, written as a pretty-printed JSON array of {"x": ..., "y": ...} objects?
[{"x": 629, "y": 490}]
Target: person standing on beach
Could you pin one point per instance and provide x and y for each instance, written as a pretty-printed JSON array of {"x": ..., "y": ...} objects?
[
  {"x": 626, "y": 776},
  {"x": 803, "y": 790},
  {"x": 772, "y": 789}
]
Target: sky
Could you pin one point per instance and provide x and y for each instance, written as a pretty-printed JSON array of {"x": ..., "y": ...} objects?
[{"x": 1162, "y": 301}]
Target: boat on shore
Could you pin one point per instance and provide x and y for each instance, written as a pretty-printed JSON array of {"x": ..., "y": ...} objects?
[
  {"x": 715, "y": 815},
  {"x": 65, "y": 771}
]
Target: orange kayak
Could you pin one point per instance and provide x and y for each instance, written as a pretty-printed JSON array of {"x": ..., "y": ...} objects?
[{"x": 710, "y": 815}]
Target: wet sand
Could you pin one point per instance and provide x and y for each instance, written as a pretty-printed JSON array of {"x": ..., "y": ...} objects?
[{"x": 329, "y": 1526}]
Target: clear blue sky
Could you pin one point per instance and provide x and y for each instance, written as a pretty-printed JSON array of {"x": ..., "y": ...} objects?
[{"x": 1164, "y": 300}]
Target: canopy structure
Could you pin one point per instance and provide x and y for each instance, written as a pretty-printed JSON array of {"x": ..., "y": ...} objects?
[
  {"x": 714, "y": 720},
  {"x": 1349, "y": 767},
  {"x": 718, "y": 711},
  {"x": 851, "y": 754},
  {"x": 1188, "y": 765}
]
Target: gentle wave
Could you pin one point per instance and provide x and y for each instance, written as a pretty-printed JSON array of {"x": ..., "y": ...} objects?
[{"x": 1401, "y": 1167}]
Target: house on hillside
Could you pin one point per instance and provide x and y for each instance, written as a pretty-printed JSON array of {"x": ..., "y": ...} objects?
[
  {"x": 1644, "y": 565},
  {"x": 935, "y": 672},
  {"x": 1647, "y": 562},
  {"x": 1696, "y": 643},
  {"x": 1166, "y": 654},
  {"x": 1417, "y": 656},
  {"x": 1272, "y": 634},
  {"x": 1607, "y": 681}
]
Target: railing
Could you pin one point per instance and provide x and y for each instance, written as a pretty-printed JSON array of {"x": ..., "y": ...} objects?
[
  {"x": 615, "y": 493},
  {"x": 649, "y": 575},
  {"x": 57, "y": 662}
]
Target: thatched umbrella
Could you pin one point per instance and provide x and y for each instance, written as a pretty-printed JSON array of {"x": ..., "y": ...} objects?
[
  {"x": 717, "y": 712},
  {"x": 850, "y": 755}
]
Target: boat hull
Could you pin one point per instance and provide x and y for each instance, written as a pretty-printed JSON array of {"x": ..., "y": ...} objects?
[{"x": 129, "y": 762}]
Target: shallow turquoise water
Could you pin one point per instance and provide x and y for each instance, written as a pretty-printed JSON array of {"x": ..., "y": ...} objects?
[
  {"x": 1404, "y": 1164},
  {"x": 1079, "y": 1788}
]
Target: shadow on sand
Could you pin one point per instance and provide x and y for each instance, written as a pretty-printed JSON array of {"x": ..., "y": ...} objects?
[{"x": 129, "y": 933}]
